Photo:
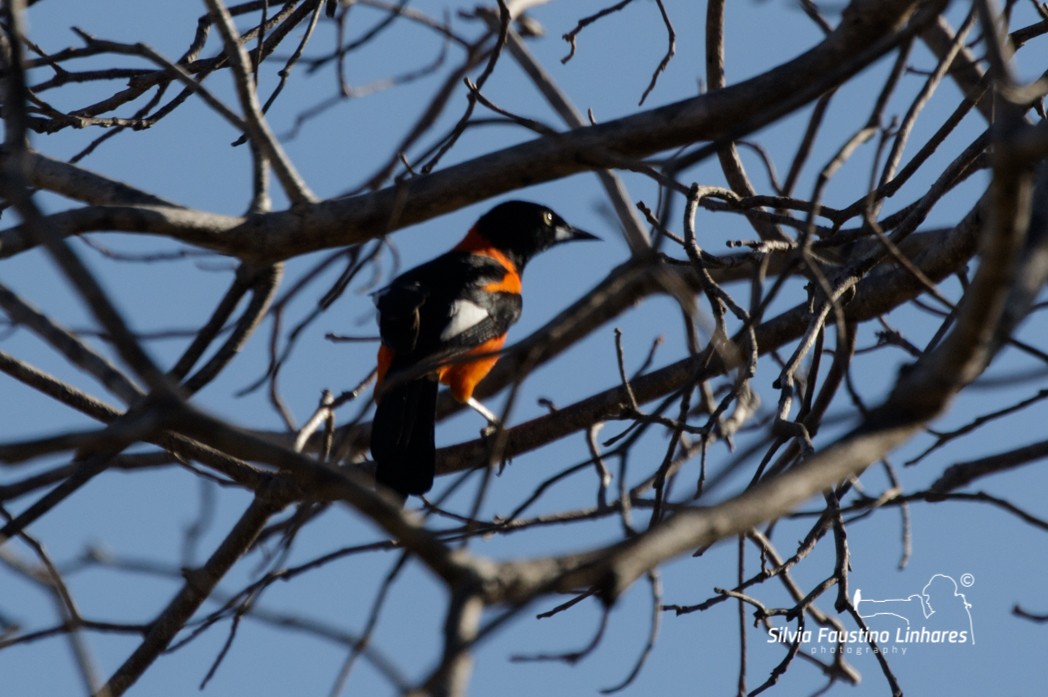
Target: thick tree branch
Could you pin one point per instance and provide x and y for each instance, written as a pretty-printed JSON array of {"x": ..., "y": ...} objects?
[{"x": 869, "y": 29}]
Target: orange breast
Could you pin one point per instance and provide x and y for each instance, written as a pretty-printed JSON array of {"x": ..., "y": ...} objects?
[
  {"x": 462, "y": 377},
  {"x": 385, "y": 358}
]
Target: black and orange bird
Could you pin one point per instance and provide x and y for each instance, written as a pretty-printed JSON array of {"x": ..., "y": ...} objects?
[{"x": 435, "y": 317}]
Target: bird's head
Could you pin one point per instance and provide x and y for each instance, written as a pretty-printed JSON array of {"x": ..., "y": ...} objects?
[{"x": 521, "y": 229}]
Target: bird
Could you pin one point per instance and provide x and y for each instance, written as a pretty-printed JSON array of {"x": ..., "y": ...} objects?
[{"x": 444, "y": 322}]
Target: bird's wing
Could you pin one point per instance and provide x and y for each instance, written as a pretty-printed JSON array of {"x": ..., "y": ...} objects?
[
  {"x": 445, "y": 307},
  {"x": 399, "y": 314}
]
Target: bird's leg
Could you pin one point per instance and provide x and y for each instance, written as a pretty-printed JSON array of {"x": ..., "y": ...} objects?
[{"x": 493, "y": 421}]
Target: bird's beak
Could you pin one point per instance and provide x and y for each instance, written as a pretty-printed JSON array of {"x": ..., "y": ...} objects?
[{"x": 566, "y": 233}]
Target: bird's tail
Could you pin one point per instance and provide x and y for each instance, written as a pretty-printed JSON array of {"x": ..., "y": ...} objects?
[{"x": 402, "y": 436}]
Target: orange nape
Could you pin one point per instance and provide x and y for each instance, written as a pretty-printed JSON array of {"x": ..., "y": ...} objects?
[{"x": 475, "y": 243}]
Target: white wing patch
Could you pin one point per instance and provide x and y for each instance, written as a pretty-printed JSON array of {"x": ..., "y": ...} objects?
[{"x": 464, "y": 316}]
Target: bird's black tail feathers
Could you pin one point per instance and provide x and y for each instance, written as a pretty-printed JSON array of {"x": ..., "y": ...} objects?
[{"x": 402, "y": 436}]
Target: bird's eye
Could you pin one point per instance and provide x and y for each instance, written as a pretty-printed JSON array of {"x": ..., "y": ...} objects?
[{"x": 547, "y": 217}]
